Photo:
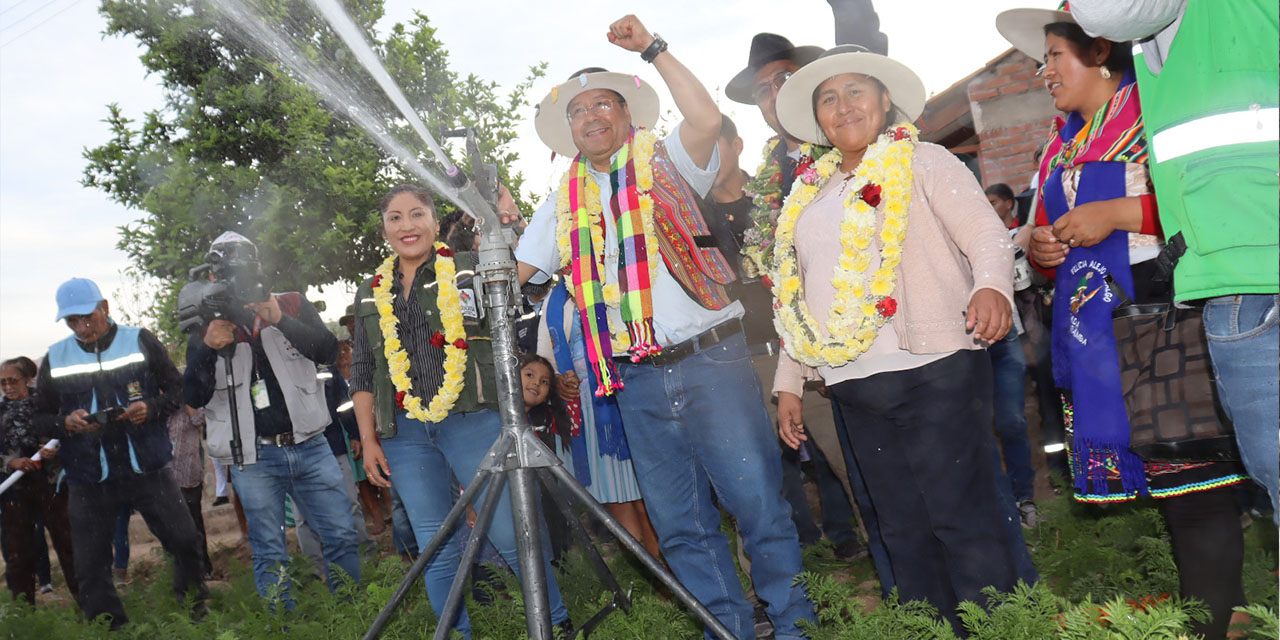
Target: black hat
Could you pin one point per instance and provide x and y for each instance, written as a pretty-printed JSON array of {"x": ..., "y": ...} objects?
[
  {"x": 765, "y": 48},
  {"x": 350, "y": 314}
]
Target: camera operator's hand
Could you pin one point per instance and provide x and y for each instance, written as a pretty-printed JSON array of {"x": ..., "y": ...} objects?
[
  {"x": 76, "y": 422},
  {"x": 269, "y": 310},
  {"x": 136, "y": 413},
  {"x": 25, "y": 465},
  {"x": 219, "y": 334}
]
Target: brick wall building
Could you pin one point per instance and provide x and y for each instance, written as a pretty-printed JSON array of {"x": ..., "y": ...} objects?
[{"x": 994, "y": 119}]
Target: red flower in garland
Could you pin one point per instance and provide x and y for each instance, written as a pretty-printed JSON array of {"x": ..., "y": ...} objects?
[
  {"x": 437, "y": 340},
  {"x": 887, "y": 307},
  {"x": 901, "y": 134},
  {"x": 444, "y": 252},
  {"x": 871, "y": 194},
  {"x": 768, "y": 282},
  {"x": 400, "y": 399},
  {"x": 377, "y": 280},
  {"x": 803, "y": 163},
  {"x": 460, "y": 343}
]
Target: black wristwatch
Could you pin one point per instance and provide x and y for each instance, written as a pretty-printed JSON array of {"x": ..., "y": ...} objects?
[{"x": 657, "y": 46}]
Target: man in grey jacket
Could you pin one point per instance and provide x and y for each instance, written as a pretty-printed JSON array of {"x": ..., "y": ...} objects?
[{"x": 274, "y": 347}]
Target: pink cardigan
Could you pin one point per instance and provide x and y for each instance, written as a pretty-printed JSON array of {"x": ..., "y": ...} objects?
[{"x": 956, "y": 245}]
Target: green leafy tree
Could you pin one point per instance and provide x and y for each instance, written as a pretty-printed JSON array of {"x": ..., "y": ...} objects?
[{"x": 240, "y": 144}]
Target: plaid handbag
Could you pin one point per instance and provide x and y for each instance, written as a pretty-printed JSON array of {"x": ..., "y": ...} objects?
[{"x": 1167, "y": 381}]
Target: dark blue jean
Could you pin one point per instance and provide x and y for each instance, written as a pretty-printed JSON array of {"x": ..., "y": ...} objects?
[
  {"x": 698, "y": 427},
  {"x": 875, "y": 544},
  {"x": 1244, "y": 344},
  {"x": 837, "y": 513},
  {"x": 120, "y": 541},
  {"x": 1009, "y": 375},
  {"x": 424, "y": 460},
  {"x": 309, "y": 474}
]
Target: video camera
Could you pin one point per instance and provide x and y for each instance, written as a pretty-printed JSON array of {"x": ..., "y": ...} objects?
[
  {"x": 236, "y": 280},
  {"x": 105, "y": 417}
]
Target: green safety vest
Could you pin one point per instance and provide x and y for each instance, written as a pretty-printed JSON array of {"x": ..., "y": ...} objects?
[{"x": 1212, "y": 116}]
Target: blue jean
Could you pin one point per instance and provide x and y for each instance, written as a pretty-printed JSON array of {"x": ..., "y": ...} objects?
[
  {"x": 309, "y": 473},
  {"x": 1009, "y": 375},
  {"x": 424, "y": 459},
  {"x": 1244, "y": 344},
  {"x": 698, "y": 427}
]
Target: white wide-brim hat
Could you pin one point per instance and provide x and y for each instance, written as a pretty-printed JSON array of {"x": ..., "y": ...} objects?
[
  {"x": 1024, "y": 28},
  {"x": 795, "y": 99},
  {"x": 551, "y": 120}
]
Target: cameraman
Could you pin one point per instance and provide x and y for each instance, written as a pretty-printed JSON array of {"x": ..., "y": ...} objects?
[
  {"x": 106, "y": 393},
  {"x": 274, "y": 346}
]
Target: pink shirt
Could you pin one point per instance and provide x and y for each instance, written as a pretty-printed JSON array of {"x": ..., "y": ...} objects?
[{"x": 956, "y": 245}]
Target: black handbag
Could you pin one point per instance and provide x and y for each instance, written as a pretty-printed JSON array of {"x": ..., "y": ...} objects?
[{"x": 1166, "y": 377}]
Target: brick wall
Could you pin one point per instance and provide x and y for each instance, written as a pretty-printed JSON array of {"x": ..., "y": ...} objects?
[{"x": 1012, "y": 115}]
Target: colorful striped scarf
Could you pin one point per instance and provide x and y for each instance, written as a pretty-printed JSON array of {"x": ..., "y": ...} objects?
[
  {"x": 587, "y": 272},
  {"x": 1085, "y": 360}
]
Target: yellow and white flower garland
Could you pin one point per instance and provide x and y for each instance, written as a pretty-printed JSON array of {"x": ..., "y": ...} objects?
[
  {"x": 449, "y": 304},
  {"x": 862, "y": 305},
  {"x": 642, "y": 145}
]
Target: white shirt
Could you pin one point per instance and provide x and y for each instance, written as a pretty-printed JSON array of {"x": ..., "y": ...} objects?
[{"x": 676, "y": 316}]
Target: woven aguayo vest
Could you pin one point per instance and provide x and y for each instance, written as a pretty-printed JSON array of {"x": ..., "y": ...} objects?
[{"x": 687, "y": 246}]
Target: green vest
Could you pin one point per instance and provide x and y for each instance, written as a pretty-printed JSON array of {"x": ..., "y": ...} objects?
[
  {"x": 1211, "y": 118},
  {"x": 479, "y": 390}
]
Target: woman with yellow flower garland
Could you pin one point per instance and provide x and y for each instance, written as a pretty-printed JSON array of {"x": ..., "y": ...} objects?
[
  {"x": 422, "y": 356},
  {"x": 891, "y": 274}
]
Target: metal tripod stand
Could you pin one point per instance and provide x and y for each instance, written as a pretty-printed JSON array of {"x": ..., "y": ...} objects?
[{"x": 518, "y": 457}]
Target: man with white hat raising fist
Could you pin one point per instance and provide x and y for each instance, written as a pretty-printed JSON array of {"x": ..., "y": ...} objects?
[{"x": 662, "y": 334}]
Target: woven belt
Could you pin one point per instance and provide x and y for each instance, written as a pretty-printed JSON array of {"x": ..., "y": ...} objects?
[
  {"x": 278, "y": 440},
  {"x": 705, "y": 340}
]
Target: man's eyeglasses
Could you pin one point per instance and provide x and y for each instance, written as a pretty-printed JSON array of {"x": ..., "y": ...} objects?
[
  {"x": 764, "y": 89},
  {"x": 599, "y": 107},
  {"x": 10, "y": 382}
]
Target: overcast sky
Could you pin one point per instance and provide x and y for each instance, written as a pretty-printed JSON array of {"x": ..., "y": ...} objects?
[{"x": 57, "y": 73}]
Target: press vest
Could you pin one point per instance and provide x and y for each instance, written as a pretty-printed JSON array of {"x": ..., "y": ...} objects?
[
  {"x": 97, "y": 380},
  {"x": 303, "y": 392},
  {"x": 1212, "y": 115}
]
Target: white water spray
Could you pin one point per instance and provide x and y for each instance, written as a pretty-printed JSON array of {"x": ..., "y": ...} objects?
[
  {"x": 351, "y": 34},
  {"x": 336, "y": 93}
]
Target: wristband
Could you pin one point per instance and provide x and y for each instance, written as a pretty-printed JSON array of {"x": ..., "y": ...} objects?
[{"x": 656, "y": 47}]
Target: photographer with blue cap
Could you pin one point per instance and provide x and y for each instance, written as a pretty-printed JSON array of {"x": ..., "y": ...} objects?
[{"x": 106, "y": 392}]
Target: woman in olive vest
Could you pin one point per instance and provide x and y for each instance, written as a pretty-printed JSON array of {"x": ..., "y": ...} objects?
[{"x": 421, "y": 381}]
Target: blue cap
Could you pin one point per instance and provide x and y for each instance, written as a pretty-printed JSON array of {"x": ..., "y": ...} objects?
[{"x": 78, "y": 297}]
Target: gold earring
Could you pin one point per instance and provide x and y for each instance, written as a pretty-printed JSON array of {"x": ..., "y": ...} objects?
[{"x": 1106, "y": 73}]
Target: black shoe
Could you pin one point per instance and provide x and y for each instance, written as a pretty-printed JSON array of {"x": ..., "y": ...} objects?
[
  {"x": 220, "y": 500},
  {"x": 851, "y": 551}
]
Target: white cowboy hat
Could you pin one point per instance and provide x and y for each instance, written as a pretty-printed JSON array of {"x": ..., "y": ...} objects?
[
  {"x": 551, "y": 120},
  {"x": 1024, "y": 28},
  {"x": 795, "y": 99}
]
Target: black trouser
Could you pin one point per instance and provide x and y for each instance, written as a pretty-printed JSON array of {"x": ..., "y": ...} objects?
[
  {"x": 23, "y": 504},
  {"x": 192, "y": 497},
  {"x": 1208, "y": 547},
  {"x": 922, "y": 438},
  {"x": 93, "y": 508}
]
